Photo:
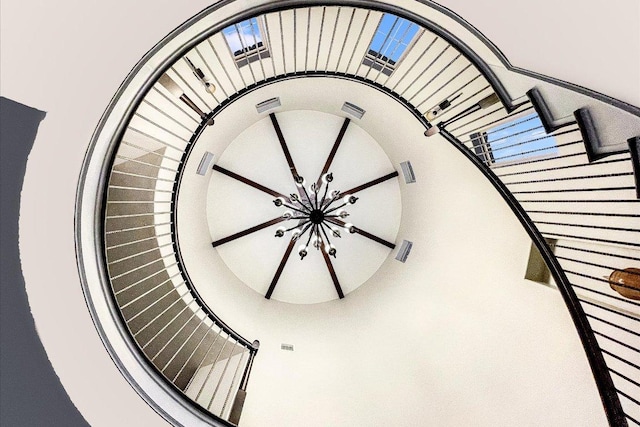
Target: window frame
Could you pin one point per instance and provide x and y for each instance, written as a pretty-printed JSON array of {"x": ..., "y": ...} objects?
[
  {"x": 382, "y": 63},
  {"x": 483, "y": 149},
  {"x": 249, "y": 54}
]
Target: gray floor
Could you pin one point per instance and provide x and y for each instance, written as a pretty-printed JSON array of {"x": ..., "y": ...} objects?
[{"x": 30, "y": 391}]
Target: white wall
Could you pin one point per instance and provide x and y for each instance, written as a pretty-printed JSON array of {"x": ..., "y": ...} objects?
[{"x": 68, "y": 58}]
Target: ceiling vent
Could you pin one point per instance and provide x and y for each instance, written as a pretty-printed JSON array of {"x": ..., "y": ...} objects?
[
  {"x": 407, "y": 171},
  {"x": 353, "y": 110},
  {"x": 203, "y": 167},
  {"x": 403, "y": 252},
  {"x": 267, "y": 105},
  {"x": 286, "y": 347}
]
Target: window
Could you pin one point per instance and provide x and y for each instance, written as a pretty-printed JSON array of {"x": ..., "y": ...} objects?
[
  {"x": 245, "y": 41},
  {"x": 390, "y": 42},
  {"x": 521, "y": 138}
]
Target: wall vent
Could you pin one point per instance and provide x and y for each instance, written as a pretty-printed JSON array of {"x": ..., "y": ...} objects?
[
  {"x": 203, "y": 167},
  {"x": 267, "y": 105},
  {"x": 353, "y": 110},
  {"x": 403, "y": 252},
  {"x": 286, "y": 347},
  {"x": 407, "y": 171}
]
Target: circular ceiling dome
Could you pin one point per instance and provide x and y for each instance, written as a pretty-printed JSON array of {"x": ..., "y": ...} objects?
[{"x": 315, "y": 141}]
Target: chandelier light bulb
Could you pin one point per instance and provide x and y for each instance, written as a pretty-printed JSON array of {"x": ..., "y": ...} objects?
[
  {"x": 350, "y": 228},
  {"x": 300, "y": 181},
  {"x": 280, "y": 231},
  {"x": 343, "y": 214},
  {"x": 287, "y": 215},
  {"x": 335, "y": 194},
  {"x": 353, "y": 200},
  {"x": 302, "y": 251},
  {"x": 335, "y": 232},
  {"x": 312, "y": 188},
  {"x": 295, "y": 233},
  {"x": 327, "y": 177},
  {"x": 294, "y": 197},
  {"x": 332, "y": 250},
  {"x": 278, "y": 202}
]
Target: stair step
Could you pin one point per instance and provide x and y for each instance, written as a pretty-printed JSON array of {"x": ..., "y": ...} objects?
[
  {"x": 541, "y": 107},
  {"x": 634, "y": 148}
]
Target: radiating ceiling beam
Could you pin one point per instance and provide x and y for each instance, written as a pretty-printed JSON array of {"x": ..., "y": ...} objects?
[
  {"x": 370, "y": 183},
  {"x": 283, "y": 144},
  {"x": 276, "y": 276},
  {"x": 247, "y": 231},
  {"x": 334, "y": 149},
  {"x": 332, "y": 271},
  {"x": 247, "y": 181},
  {"x": 364, "y": 233}
]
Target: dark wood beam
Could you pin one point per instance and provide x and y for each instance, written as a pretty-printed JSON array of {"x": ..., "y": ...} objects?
[
  {"x": 247, "y": 181},
  {"x": 276, "y": 276},
  {"x": 370, "y": 183},
  {"x": 334, "y": 149},
  {"x": 363, "y": 233},
  {"x": 332, "y": 271},
  {"x": 247, "y": 231},
  {"x": 283, "y": 144}
]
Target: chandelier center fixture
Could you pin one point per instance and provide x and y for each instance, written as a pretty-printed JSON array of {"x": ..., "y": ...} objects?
[{"x": 317, "y": 213}]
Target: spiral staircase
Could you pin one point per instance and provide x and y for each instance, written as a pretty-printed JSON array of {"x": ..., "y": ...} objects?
[{"x": 567, "y": 166}]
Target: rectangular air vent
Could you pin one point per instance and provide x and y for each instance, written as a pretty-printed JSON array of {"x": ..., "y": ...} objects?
[
  {"x": 286, "y": 347},
  {"x": 403, "y": 252},
  {"x": 353, "y": 110},
  {"x": 267, "y": 105},
  {"x": 407, "y": 171},
  {"x": 203, "y": 167}
]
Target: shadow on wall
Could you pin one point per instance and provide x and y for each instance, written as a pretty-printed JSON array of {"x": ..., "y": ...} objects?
[{"x": 30, "y": 392}]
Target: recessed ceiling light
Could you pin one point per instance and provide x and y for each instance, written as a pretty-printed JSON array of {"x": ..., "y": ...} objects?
[
  {"x": 203, "y": 167},
  {"x": 353, "y": 110},
  {"x": 403, "y": 252},
  {"x": 267, "y": 105},
  {"x": 407, "y": 171}
]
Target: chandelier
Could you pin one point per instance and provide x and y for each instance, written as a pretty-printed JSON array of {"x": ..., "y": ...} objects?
[{"x": 317, "y": 212}]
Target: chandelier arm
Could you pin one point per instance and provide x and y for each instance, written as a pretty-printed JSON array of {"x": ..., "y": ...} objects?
[
  {"x": 325, "y": 233},
  {"x": 335, "y": 209},
  {"x": 307, "y": 194},
  {"x": 332, "y": 200},
  {"x": 296, "y": 209},
  {"x": 326, "y": 190},
  {"x": 304, "y": 229},
  {"x": 297, "y": 225},
  {"x": 318, "y": 237},
  {"x": 310, "y": 235}
]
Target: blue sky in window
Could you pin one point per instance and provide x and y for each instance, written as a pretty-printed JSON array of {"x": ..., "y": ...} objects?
[
  {"x": 515, "y": 140},
  {"x": 243, "y": 35},
  {"x": 393, "y": 36}
]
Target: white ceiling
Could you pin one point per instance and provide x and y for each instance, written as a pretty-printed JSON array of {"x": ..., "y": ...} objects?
[{"x": 256, "y": 154}]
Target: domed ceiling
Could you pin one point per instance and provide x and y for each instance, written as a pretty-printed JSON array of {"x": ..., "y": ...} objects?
[{"x": 317, "y": 255}]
